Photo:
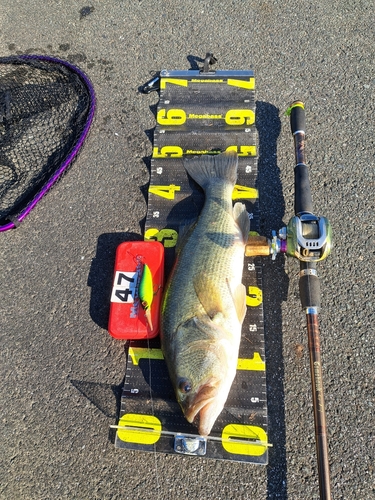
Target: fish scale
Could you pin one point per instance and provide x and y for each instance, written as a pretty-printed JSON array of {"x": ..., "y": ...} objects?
[{"x": 222, "y": 234}]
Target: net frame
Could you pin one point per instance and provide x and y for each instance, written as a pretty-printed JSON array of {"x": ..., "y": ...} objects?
[{"x": 14, "y": 219}]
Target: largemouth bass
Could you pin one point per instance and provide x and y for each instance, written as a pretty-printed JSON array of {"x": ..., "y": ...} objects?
[{"x": 204, "y": 302}]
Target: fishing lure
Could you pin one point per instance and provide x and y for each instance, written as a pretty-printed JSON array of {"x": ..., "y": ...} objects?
[{"x": 146, "y": 293}]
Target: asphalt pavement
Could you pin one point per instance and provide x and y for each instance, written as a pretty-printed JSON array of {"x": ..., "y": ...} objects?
[{"x": 61, "y": 371}]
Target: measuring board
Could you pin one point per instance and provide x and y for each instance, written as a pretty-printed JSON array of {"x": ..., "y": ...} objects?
[{"x": 199, "y": 113}]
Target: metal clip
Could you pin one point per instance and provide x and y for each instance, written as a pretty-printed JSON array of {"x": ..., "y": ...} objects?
[
  {"x": 190, "y": 445},
  {"x": 152, "y": 85},
  {"x": 208, "y": 61}
]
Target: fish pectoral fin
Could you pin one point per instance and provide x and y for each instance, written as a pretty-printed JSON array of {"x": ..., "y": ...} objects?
[
  {"x": 208, "y": 294},
  {"x": 239, "y": 299},
  {"x": 241, "y": 218}
]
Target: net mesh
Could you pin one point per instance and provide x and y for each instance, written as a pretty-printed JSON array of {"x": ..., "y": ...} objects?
[{"x": 46, "y": 107}]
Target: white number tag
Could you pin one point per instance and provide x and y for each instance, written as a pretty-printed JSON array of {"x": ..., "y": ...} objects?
[{"x": 124, "y": 287}]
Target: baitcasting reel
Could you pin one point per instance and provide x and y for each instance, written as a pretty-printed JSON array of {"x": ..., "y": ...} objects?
[{"x": 306, "y": 237}]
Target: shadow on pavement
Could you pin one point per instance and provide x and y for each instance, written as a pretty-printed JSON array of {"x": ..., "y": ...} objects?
[
  {"x": 101, "y": 274},
  {"x": 275, "y": 289}
]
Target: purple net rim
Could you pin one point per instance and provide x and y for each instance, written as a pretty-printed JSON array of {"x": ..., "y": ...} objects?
[{"x": 76, "y": 148}]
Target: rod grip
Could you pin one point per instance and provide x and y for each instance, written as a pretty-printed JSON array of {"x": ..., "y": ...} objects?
[
  {"x": 309, "y": 286},
  {"x": 302, "y": 190},
  {"x": 297, "y": 117},
  {"x": 302, "y": 196}
]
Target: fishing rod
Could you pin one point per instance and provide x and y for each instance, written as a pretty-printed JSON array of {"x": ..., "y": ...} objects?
[
  {"x": 307, "y": 238},
  {"x": 310, "y": 239}
]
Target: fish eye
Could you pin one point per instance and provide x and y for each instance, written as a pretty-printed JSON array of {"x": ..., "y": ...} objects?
[{"x": 184, "y": 386}]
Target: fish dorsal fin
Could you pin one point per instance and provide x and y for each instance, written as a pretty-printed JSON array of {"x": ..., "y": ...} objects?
[
  {"x": 208, "y": 294},
  {"x": 239, "y": 299},
  {"x": 241, "y": 217}
]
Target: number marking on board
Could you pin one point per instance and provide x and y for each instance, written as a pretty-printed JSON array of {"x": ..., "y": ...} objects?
[
  {"x": 254, "y": 297},
  {"x": 167, "y": 192},
  {"x": 173, "y": 81},
  {"x": 240, "y": 117},
  {"x": 137, "y": 353},
  {"x": 167, "y": 237},
  {"x": 243, "y": 84},
  {"x": 244, "y": 192},
  {"x": 243, "y": 150},
  {"x": 241, "y": 439},
  {"x": 139, "y": 428},
  {"x": 168, "y": 151},
  {"x": 171, "y": 117},
  {"x": 256, "y": 364}
]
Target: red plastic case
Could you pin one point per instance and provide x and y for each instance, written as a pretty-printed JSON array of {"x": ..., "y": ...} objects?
[{"x": 127, "y": 318}]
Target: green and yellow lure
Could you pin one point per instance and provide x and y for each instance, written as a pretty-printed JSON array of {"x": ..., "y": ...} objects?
[{"x": 146, "y": 293}]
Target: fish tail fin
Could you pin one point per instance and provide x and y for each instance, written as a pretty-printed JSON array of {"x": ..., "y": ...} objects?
[{"x": 207, "y": 167}]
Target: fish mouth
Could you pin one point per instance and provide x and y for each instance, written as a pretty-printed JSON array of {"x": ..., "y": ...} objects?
[{"x": 201, "y": 404}]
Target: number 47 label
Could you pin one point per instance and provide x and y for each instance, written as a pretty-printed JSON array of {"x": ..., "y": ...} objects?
[{"x": 124, "y": 287}]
